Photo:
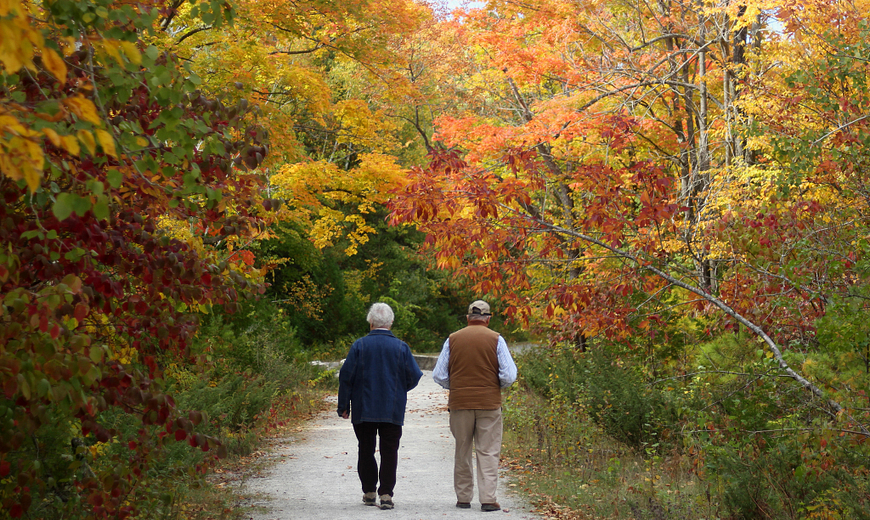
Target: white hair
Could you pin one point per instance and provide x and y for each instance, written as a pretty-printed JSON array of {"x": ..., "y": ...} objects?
[{"x": 380, "y": 316}]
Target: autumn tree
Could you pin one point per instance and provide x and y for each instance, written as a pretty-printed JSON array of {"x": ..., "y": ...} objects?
[
  {"x": 303, "y": 65},
  {"x": 347, "y": 93},
  {"x": 103, "y": 137},
  {"x": 597, "y": 186}
]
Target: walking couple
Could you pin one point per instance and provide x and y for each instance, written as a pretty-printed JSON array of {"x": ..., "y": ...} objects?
[{"x": 377, "y": 374}]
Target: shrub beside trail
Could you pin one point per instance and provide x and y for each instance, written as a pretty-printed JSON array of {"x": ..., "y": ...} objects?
[{"x": 592, "y": 435}]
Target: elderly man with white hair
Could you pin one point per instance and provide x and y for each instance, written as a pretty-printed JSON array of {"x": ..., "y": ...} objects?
[{"x": 373, "y": 390}]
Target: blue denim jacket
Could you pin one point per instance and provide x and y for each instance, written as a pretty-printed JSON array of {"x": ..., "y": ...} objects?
[{"x": 375, "y": 379}]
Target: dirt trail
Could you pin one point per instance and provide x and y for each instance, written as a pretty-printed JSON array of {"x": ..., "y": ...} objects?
[{"x": 317, "y": 478}]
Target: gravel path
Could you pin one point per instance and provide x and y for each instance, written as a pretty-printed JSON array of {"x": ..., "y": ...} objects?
[{"x": 317, "y": 477}]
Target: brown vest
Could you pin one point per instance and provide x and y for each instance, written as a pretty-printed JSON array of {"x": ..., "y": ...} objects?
[{"x": 473, "y": 369}]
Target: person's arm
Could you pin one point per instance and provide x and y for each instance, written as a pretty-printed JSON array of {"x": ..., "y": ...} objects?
[
  {"x": 412, "y": 370},
  {"x": 345, "y": 382},
  {"x": 507, "y": 369},
  {"x": 439, "y": 374}
]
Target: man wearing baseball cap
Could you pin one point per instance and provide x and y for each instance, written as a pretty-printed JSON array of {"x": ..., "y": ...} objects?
[{"x": 475, "y": 364}]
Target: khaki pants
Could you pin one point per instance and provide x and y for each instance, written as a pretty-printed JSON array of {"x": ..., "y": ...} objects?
[{"x": 483, "y": 429}]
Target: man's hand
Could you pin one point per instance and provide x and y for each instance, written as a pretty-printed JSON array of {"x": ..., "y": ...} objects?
[{"x": 344, "y": 414}]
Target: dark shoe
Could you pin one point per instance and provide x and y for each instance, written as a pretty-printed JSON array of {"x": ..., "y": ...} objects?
[
  {"x": 370, "y": 499},
  {"x": 463, "y": 505},
  {"x": 386, "y": 502},
  {"x": 490, "y": 507}
]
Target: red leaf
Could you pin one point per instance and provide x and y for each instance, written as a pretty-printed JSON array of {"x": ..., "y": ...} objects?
[
  {"x": 5, "y": 468},
  {"x": 247, "y": 257},
  {"x": 180, "y": 435},
  {"x": 16, "y": 511},
  {"x": 81, "y": 312},
  {"x": 10, "y": 387}
]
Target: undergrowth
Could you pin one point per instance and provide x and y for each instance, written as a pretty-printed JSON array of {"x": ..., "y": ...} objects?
[
  {"x": 572, "y": 469},
  {"x": 256, "y": 383},
  {"x": 592, "y": 435}
]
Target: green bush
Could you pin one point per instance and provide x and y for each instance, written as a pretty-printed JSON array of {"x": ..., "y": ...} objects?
[
  {"x": 619, "y": 400},
  {"x": 609, "y": 389},
  {"x": 796, "y": 475}
]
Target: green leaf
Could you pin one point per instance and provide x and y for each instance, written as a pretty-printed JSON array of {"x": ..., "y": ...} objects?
[
  {"x": 101, "y": 208},
  {"x": 96, "y": 187},
  {"x": 115, "y": 178},
  {"x": 80, "y": 205},
  {"x": 27, "y": 235},
  {"x": 43, "y": 388},
  {"x": 74, "y": 254},
  {"x": 24, "y": 386},
  {"x": 62, "y": 207}
]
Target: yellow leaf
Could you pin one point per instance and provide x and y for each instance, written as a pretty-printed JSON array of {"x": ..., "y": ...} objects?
[
  {"x": 52, "y": 136},
  {"x": 70, "y": 144},
  {"x": 33, "y": 161},
  {"x": 6, "y": 7},
  {"x": 31, "y": 177},
  {"x": 87, "y": 139},
  {"x": 54, "y": 63},
  {"x": 68, "y": 45},
  {"x": 110, "y": 48},
  {"x": 13, "y": 52},
  {"x": 12, "y": 125},
  {"x": 83, "y": 108},
  {"x": 107, "y": 142},
  {"x": 8, "y": 167},
  {"x": 132, "y": 52}
]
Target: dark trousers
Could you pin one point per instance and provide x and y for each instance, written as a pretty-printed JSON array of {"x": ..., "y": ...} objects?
[{"x": 367, "y": 466}]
